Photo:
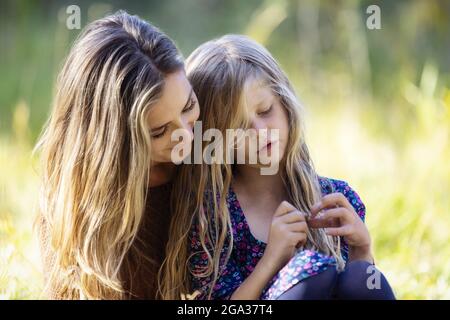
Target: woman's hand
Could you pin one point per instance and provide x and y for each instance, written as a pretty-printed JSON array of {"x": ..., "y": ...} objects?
[
  {"x": 337, "y": 216},
  {"x": 287, "y": 233}
]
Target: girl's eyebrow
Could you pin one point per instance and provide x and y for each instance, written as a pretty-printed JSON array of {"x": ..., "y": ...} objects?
[
  {"x": 263, "y": 103},
  {"x": 185, "y": 106},
  {"x": 263, "y": 100}
]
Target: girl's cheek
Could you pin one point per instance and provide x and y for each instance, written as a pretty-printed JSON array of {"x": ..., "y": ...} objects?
[{"x": 283, "y": 125}]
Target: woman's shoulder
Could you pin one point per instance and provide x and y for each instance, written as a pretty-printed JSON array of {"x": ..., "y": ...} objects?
[{"x": 330, "y": 185}]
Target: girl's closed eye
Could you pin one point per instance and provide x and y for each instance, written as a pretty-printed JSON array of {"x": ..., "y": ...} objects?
[
  {"x": 266, "y": 112},
  {"x": 158, "y": 133}
]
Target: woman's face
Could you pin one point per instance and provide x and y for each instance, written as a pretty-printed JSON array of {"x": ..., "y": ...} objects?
[
  {"x": 265, "y": 111},
  {"x": 176, "y": 109}
]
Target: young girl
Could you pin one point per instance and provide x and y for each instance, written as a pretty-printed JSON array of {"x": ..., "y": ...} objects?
[{"x": 290, "y": 235}]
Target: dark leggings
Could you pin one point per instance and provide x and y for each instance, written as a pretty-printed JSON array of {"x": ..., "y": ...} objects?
[{"x": 360, "y": 280}]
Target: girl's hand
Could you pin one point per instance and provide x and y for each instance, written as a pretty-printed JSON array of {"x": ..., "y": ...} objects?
[
  {"x": 337, "y": 216},
  {"x": 287, "y": 233}
]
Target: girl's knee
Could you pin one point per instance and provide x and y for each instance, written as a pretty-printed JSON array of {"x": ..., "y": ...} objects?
[
  {"x": 317, "y": 287},
  {"x": 362, "y": 280}
]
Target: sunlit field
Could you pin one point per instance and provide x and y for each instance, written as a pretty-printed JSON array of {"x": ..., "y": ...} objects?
[{"x": 377, "y": 115}]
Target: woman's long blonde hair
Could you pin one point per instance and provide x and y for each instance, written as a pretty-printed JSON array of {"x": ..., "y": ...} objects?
[
  {"x": 96, "y": 153},
  {"x": 218, "y": 71}
]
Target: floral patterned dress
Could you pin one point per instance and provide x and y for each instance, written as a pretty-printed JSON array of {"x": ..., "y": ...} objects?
[{"x": 247, "y": 250}]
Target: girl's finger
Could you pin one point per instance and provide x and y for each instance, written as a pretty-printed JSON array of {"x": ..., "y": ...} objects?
[
  {"x": 329, "y": 218},
  {"x": 315, "y": 223},
  {"x": 292, "y": 217},
  {"x": 298, "y": 227},
  {"x": 331, "y": 200},
  {"x": 340, "y": 231},
  {"x": 284, "y": 208},
  {"x": 300, "y": 239},
  {"x": 336, "y": 213}
]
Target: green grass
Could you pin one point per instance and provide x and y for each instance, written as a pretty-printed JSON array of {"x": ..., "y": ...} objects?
[
  {"x": 20, "y": 273},
  {"x": 378, "y": 116},
  {"x": 405, "y": 191}
]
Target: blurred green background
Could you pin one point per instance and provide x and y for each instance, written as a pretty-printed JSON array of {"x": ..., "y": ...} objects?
[{"x": 377, "y": 101}]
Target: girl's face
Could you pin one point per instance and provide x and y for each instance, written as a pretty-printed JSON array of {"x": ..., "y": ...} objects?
[
  {"x": 265, "y": 111},
  {"x": 176, "y": 109}
]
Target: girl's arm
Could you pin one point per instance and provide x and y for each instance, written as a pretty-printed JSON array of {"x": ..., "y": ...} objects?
[
  {"x": 229, "y": 279},
  {"x": 252, "y": 287},
  {"x": 361, "y": 253},
  {"x": 349, "y": 252},
  {"x": 287, "y": 232},
  {"x": 339, "y": 218}
]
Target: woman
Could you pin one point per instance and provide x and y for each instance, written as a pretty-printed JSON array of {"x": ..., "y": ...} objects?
[{"x": 106, "y": 156}]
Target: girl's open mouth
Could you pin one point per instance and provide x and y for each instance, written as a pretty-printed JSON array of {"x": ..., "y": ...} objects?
[{"x": 268, "y": 146}]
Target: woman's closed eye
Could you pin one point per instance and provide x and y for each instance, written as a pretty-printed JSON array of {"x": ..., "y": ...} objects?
[
  {"x": 190, "y": 106},
  {"x": 159, "y": 132}
]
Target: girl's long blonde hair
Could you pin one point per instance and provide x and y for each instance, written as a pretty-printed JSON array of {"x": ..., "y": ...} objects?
[
  {"x": 96, "y": 153},
  {"x": 218, "y": 71}
]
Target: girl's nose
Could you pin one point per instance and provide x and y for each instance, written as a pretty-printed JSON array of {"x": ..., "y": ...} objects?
[{"x": 258, "y": 125}]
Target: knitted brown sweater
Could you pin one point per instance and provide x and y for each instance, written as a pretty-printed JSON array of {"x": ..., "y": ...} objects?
[{"x": 139, "y": 271}]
